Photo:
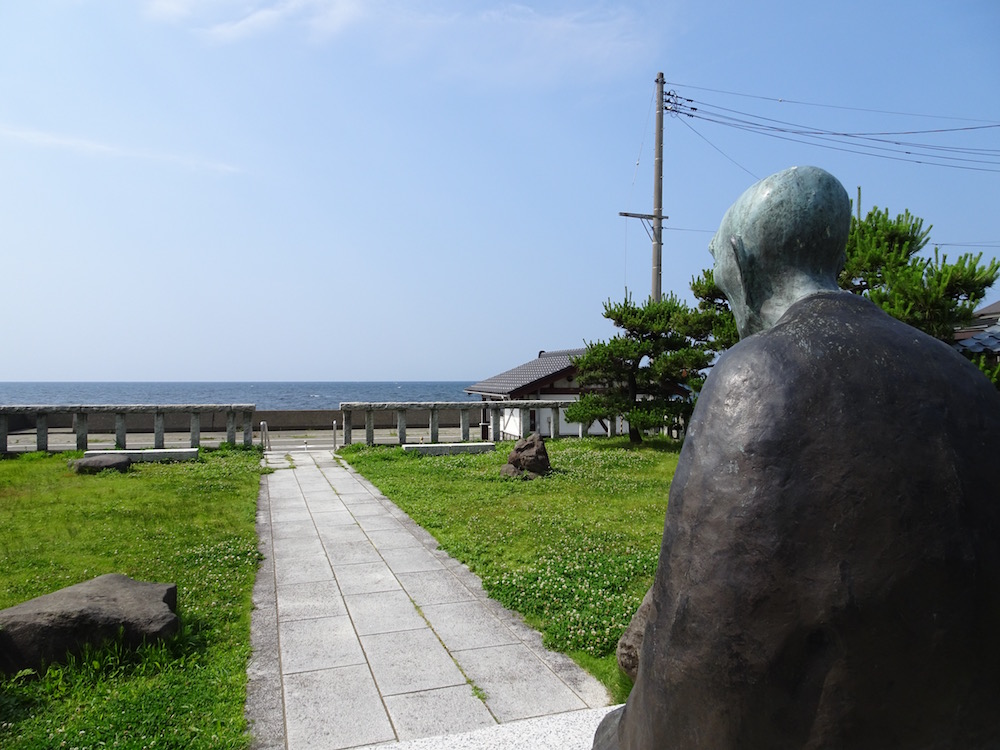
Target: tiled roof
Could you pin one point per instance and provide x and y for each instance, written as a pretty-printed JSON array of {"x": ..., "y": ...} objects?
[
  {"x": 990, "y": 311},
  {"x": 545, "y": 368},
  {"x": 987, "y": 340}
]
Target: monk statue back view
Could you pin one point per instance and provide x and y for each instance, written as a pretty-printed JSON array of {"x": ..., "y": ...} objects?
[{"x": 829, "y": 575}]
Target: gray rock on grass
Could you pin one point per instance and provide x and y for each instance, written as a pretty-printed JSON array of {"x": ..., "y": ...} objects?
[
  {"x": 97, "y": 464},
  {"x": 44, "y": 630}
]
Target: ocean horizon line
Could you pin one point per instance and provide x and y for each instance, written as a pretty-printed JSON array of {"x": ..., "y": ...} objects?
[{"x": 266, "y": 395}]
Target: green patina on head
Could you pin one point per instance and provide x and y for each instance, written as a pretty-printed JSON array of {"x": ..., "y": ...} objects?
[{"x": 782, "y": 240}]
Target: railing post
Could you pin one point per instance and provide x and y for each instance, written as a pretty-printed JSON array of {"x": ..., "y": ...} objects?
[
  {"x": 42, "y": 431},
  {"x": 247, "y": 429},
  {"x": 81, "y": 430},
  {"x": 555, "y": 422},
  {"x": 3, "y": 433},
  {"x": 525, "y": 415},
  {"x": 120, "y": 431},
  {"x": 158, "y": 430},
  {"x": 231, "y": 427},
  {"x": 495, "y": 424},
  {"x": 612, "y": 426},
  {"x": 195, "y": 429},
  {"x": 369, "y": 427},
  {"x": 401, "y": 425},
  {"x": 347, "y": 427},
  {"x": 434, "y": 424},
  {"x": 464, "y": 419},
  {"x": 583, "y": 428},
  {"x": 335, "y": 436}
]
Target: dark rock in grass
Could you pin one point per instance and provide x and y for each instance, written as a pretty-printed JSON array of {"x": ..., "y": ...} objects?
[
  {"x": 43, "y": 630},
  {"x": 630, "y": 644},
  {"x": 513, "y": 472},
  {"x": 529, "y": 459},
  {"x": 104, "y": 462}
]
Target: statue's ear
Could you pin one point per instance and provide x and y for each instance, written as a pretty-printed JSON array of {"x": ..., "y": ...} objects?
[{"x": 744, "y": 265}]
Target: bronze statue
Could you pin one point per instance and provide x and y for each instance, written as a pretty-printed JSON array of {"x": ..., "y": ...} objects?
[{"x": 829, "y": 575}]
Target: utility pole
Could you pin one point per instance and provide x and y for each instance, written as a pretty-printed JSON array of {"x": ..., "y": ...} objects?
[
  {"x": 654, "y": 222},
  {"x": 658, "y": 193}
]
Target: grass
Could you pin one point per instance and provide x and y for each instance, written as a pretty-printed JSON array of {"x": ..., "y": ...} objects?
[
  {"x": 574, "y": 552},
  {"x": 187, "y": 523}
]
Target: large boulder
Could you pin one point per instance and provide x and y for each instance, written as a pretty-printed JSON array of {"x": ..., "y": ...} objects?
[
  {"x": 102, "y": 462},
  {"x": 43, "y": 630},
  {"x": 529, "y": 459}
]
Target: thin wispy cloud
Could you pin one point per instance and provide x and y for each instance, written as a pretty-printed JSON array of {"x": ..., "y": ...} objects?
[
  {"x": 501, "y": 42},
  {"x": 234, "y": 21},
  {"x": 86, "y": 147}
]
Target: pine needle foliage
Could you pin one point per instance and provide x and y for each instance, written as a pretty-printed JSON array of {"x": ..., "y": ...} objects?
[{"x": 648, "y": 372}]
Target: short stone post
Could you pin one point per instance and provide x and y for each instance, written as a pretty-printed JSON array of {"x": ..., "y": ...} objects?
[
  {"x": 464, "y": 419},
  {"x": 495, "y": 424},
  {"x": 158, "y": 429},
  {"x": 120, "y": 431},
  {"x": 583, "y": 429},
  {"x": 525, "y": 422},
  {"x": 555, "y": 422},
  {"x": 195, "y": 429},
  {"x": 347, "y": 427},
  {"x": 434, "y": 425},
  {"x": 612, "y": 426},
  {"x": 42, "y": 431},
  {"x": 401, "y": 425},
  {"x": 247, "y": 429},
  {"x": 231, "y": 427},
  {"x": 3, "y": 433},
  {"x": 81, "y": 430},
  {"x": 369, "y": 427}
]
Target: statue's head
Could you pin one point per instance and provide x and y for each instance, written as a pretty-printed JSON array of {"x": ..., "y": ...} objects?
[{"x": 782, "y": 240}]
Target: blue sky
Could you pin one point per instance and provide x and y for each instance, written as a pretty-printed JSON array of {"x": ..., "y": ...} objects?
[{"x": 424, "y": 189}]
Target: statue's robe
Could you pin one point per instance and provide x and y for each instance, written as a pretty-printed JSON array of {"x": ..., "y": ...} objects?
[{"x": 829, "y": 575}]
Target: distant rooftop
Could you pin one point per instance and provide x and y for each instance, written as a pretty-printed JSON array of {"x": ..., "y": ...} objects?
[
  {"x": 986, "y": 340},
  {"x": 547, "y": 368}
]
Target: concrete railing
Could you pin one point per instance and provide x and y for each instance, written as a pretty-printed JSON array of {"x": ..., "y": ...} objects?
[
  {"x": 81, "y": 412},
  {"x": 494, "y": 408}
]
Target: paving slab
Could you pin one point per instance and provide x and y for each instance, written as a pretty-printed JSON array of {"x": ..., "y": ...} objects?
[
  {"x": 468, "y": 624},
  {"x": 331, "y": 709},
  {"x": 383, "y": 612},
  {"x": 411, "y": 661},
  {"x": 517, "y": 683},
  {"x": 365, "y": 632},
  {"x": 309, "y": 600},
  {"x": 321, "y": 643},
  {"x": 438, "y": 586},
  {"x": 432, "y": 713}
]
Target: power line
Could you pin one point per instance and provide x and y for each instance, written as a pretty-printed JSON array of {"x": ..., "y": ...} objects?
[
  {"x": 719, "y": 150},
  {"x": 875, "y": 144},
  {"x": 782, "y": 100}
]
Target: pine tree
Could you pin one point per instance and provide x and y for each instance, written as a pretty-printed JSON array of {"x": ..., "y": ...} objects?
[
  {"x": 649, "y": 372},
  {"x": 928, "y": 293}
]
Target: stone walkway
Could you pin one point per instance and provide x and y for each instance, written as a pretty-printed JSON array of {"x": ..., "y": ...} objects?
[{"x": 365, "y": 633}]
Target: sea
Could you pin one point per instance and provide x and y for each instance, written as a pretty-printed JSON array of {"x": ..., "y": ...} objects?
[{"x": 266, "y": 396}]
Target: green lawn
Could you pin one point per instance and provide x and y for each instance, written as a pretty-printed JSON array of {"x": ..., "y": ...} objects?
[
  {"x": 188, "y": 523},
  {"x": 574, "y": 552}
]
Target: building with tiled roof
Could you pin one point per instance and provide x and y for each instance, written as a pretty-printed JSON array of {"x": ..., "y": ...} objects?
[{"x": 551, "y": 374}]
